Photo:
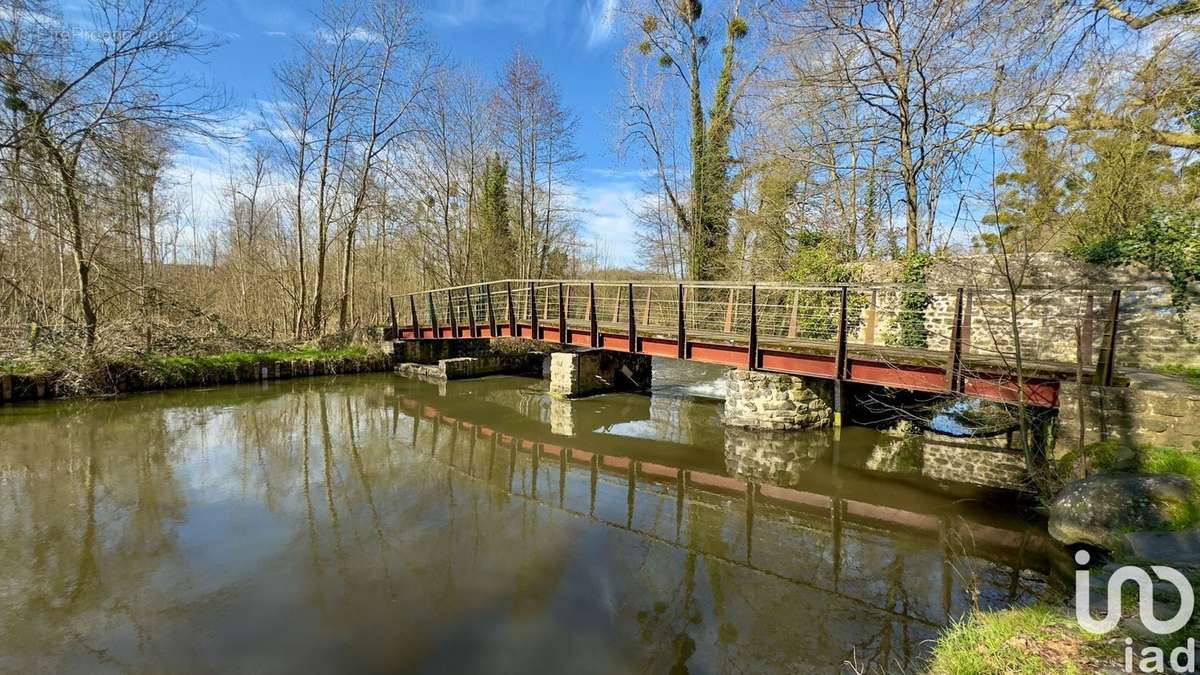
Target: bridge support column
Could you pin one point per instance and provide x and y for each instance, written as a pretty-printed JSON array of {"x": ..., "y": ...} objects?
[
  {"x": 758, "y": 400},
  {"x": 595, "y": 371}
]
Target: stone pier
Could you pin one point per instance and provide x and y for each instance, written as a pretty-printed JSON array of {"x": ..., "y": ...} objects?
[
  {"x": 595, "y": 371},
  {"x": 773, "y": 401}
]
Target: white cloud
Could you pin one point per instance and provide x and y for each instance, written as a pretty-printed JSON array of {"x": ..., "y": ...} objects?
[
  {"x": 275, "y": 33},
  {"x": 599, "y": 16},
  {"x": 608, "y": 215}
]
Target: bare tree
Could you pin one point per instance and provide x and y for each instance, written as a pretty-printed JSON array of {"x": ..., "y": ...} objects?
[{"x": 71, "y": 95}]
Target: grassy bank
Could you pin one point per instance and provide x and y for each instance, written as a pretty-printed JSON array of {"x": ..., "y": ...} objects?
[
  {"x": 97, "y": 375},
  {"x": 1027, "y": 640},
  {"x": 1189, "y": 374}
]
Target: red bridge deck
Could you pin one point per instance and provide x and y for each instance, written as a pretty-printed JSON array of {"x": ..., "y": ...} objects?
[{"x": 953, "y": 341}]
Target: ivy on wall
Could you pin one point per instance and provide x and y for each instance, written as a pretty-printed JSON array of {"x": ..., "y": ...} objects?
[
  {"x": 1167, "y": 242},
  {"x": 914, "y": 301}
]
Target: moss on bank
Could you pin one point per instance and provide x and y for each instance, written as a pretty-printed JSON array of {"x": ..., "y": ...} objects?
[
  {"x": 1034, "y": 640},
  {"x": 173, "y": 367},
  {"x": 96, "y": 375}
]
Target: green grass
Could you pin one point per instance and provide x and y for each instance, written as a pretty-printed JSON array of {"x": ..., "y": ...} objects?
[
  {"x": 1190, "y": 374},
  {"x": 1019, "y": 641},
  {"x": 177, "y": 366},
  {"x": 25, "y": 367}
]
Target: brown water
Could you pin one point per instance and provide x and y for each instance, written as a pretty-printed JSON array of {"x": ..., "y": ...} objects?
[{"x": 371, "y": 524}]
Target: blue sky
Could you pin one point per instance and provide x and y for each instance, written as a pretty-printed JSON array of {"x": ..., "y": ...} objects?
[{"x": 576, "y": 40}]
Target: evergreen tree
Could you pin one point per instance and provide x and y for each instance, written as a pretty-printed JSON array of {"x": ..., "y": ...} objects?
[
  {"x": 1030, "y": 208},
  {"x": 495, "y": 232}
]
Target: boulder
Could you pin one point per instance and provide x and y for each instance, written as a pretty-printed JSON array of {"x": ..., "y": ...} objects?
[{"x": 1102, "y": 509}]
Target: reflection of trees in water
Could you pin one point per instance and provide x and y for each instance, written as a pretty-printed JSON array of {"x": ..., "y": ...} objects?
[
  {"x": 91, "y": 508},
  {"x": 371, "y": 525}
]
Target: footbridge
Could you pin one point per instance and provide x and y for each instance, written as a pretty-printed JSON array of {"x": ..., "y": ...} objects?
[{"x": 995, "y": 344}]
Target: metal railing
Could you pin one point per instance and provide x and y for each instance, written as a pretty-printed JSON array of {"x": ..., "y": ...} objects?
[{"x": 1057, "y": 330}]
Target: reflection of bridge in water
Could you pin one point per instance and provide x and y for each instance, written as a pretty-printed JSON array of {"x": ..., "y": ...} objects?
[{"x": 865, "y": 545}]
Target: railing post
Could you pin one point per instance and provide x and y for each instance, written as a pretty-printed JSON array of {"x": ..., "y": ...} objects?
[
  {"x": 412, "y": 309},
  {"x": 839, "y": 363},
  {"x": 954, "y": 364},
  {"x": 433, "y": 316},
  {"x": 562, "y": 316},
  {"x": 729, "y": 312},
  {"x": 450, "y": 311},
  {"x": 681, "y": 335},
  {"x": 792, "y": 318},
  {"x": 752, "y": 351},
  {"x": 1088, "y": 330},
  {"x": 512, "y": 312},
  {"x": 595, "y": 324},
  {"x": 395, "y": 323},
  {"x": 471, "y": 313},
  {"x": 491, "y": 312},
  {"x": 632, "y": 324},
  {"x": 533, "y": 315},
  {"x": 869, "y": 331},
  {"x": 968, "y": 309},
  {"x": 1108, "y": 349}
]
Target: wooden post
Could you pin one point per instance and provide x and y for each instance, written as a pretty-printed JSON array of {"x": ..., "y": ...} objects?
[
  {"x": 646, "y": 313},
  {"x": 1087, "y": 331},
  {"x": 752, "y": 351},
  {"x": 471, "y": 313},
  {"x": 450, "y": 311},
  {"x": 533, "y": 314},
  {"x": 395, "y": 324},
  {"x": 433, "y": 316},
  {"x": 512, "y": 314},
  {"x": 792, "y": 320},
  {"x": 1108, "y": 348},
  {"x": 595, "y": 325},
  {"x": 681, "y": 334},
  {"x": 562, "y": 315},
  {"x": 729, "y": 312},
  {"x": 491, "y": 312},
  {"x": 954, "y": 363},
  {"x": 412, "y": 309},
  {"x": 632, "y": 325},
  {"x": 869, "y": 331}
]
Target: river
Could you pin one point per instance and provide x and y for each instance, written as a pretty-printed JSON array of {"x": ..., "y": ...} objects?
[{"x": 375, "y": 524}]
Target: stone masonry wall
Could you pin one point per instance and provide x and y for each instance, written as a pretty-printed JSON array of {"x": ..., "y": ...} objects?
[
  {"x": 758, "y": 400},
  {"x": 986, "y": 461},
  {"x": 1152, "y": 330},
  {"x": 1128, "y": 414}
]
